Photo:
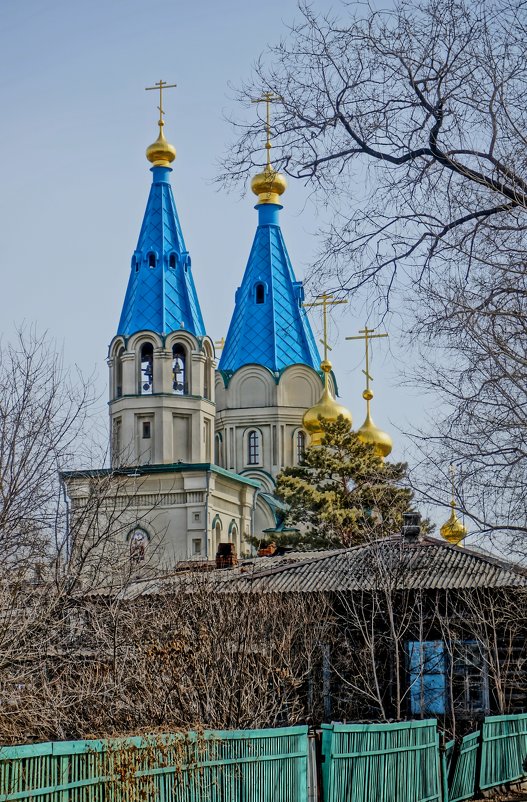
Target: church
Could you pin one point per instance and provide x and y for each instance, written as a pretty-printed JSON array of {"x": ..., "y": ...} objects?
[{"x": 197, "y": 442}]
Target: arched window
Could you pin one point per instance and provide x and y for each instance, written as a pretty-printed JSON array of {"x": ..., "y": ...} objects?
[
  {"x": 172, "y": 260},
  {"x": 146, "y": 377},
  {"x": 151, "y": 260},
  {"x": 300, "y": 445},
  {"x": 217, "y": 535},
  {"x": 259, "y": 292},
  {"x": 138, "y": 539},
  {"x": 217, "y": 449},
  {"x": 118, "y": 367},
  {"x": 179, "y": 370},
  {"x": 253, "y": 448}
]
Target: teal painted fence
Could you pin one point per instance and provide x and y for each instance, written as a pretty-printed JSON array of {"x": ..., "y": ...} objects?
[
  {"x": 462, "y": 769},
  {"x": 215, "y": 766},
  {"x": 503, "y": 750},
  {"x": 361, "y": 762},
  {"x": 381, "y": 762}
]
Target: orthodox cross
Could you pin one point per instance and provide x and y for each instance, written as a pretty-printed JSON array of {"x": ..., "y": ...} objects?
[
  {"x": 267, "y": 98},
  {"x": 324, "y": 301},
  {"x": 367, "y": 334},
  {"x": 219, "y": 344},
  {"x": 160, "y": 85}
]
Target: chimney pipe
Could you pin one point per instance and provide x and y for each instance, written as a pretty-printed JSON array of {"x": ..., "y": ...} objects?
[{"x": 411, "y": 531}]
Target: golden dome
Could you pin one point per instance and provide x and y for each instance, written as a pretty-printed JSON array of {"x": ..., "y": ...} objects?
[
  {"x": 327, "y": 408},
  {"x": 161, "y": 153},
  {"x": 370, "y": 433},
  {"x": 453, "y": 529},
  {"x": 269, "y": 185}
]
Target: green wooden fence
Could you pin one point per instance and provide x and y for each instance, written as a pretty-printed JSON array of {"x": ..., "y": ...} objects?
[
  {"x": 361, "y": 762},
  {"x": 461, "y": 769},
  {"x": 214, "y": 766},
  {"x": 503, "y": 750},
  {"x": 384, "y": 762}
]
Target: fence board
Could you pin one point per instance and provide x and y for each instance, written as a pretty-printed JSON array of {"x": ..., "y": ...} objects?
[
  {"x": 462, "y": 779},
  {"x": 385, "y": 762},
  {"x": 504, "y": 750}
]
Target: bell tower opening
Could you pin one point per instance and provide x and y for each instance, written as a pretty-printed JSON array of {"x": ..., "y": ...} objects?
[{"x": 146, "y": 377}]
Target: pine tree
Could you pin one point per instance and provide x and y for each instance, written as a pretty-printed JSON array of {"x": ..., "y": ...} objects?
[{"x": 342, "y": 493}]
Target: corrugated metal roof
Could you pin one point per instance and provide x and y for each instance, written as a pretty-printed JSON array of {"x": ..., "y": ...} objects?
[{"x": 429, "y": 564}]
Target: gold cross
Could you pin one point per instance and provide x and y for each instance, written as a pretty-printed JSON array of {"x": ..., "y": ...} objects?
[
  {"x": 324, "y": 301},
  {"x": 220, "y": 343},
  {"x": 267, "y": 98},
  {"x": 160, "y": 85},
  {"x": 367, "y": 334}
]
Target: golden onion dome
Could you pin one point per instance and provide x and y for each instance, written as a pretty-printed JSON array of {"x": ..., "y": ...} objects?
[
  {"x": 269, "y": 185},
  {"x": 370, "y": 433},
  {"x": 453, "y": 529},
  {"x": 327, "y": 408},
  {"x": 161, "y": 153}
]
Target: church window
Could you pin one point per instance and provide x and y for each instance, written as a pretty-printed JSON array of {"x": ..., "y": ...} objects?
[
  {"x": 116, "y": 441},
  {"x": 179, "y": 370},
  {"x": 151, "y": 260},
  {"x": 253, "y": 443},
  {"x": 300, "y": 445},
  {"x": 119, "y": 373},
  {"x": 217, "y": 449},
  {"x": 147, "y": 430},
  {"x": 172, "y": 260},
  {"x": 196, "y": 546},
  {"x": 147, "y": 369},
  {"x": 217, "y": 533},
  {"x": 138, "y": 539},
  {"x": 259, "y": 292}
]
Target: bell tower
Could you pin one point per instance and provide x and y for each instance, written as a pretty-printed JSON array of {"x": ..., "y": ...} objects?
[{"x": 161, "y": 361}]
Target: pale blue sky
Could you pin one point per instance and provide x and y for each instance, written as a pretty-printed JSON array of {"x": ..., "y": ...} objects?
[{"x": 76, "y": 121}]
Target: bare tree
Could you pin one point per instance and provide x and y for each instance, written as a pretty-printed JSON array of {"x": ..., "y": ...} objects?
[{"x": 423, "y": 107}]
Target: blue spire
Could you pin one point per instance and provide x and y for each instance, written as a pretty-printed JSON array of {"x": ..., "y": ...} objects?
[
  {"x": 269, "y": 326},
  {"x": 161, "y": 296}
]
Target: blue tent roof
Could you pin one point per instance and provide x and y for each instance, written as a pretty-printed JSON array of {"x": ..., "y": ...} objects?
[
  {"x": 161, "y": 295},
  {"x": 269, "y": 326}
]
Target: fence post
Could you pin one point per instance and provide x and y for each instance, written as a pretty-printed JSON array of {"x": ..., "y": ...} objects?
[{"x": 479, "y": 759}]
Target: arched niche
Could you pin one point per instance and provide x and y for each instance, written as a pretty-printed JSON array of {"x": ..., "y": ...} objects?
[
  {"x": 251, "y": 387},
  {"x": 299, "y": 386}
]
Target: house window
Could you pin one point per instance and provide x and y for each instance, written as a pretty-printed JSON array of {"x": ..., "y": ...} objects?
[
  {"x": 179, "y": 370},
  {"x": 470, "y": 682},
  {"x": 172, "y": 260},
  {"x": 197, "y": 517},
  {"x": 196, "y": 546},
  {"x": 427, "y": 677},
  {"x": 146, "y": 430},
  {"x": 259, "y": 292},
  {"x": 151, "y": 260},
  {"x": 300, "y": 446},
  {"x": 253, "y": 445},
  {"x": 147, "y": 369}
]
